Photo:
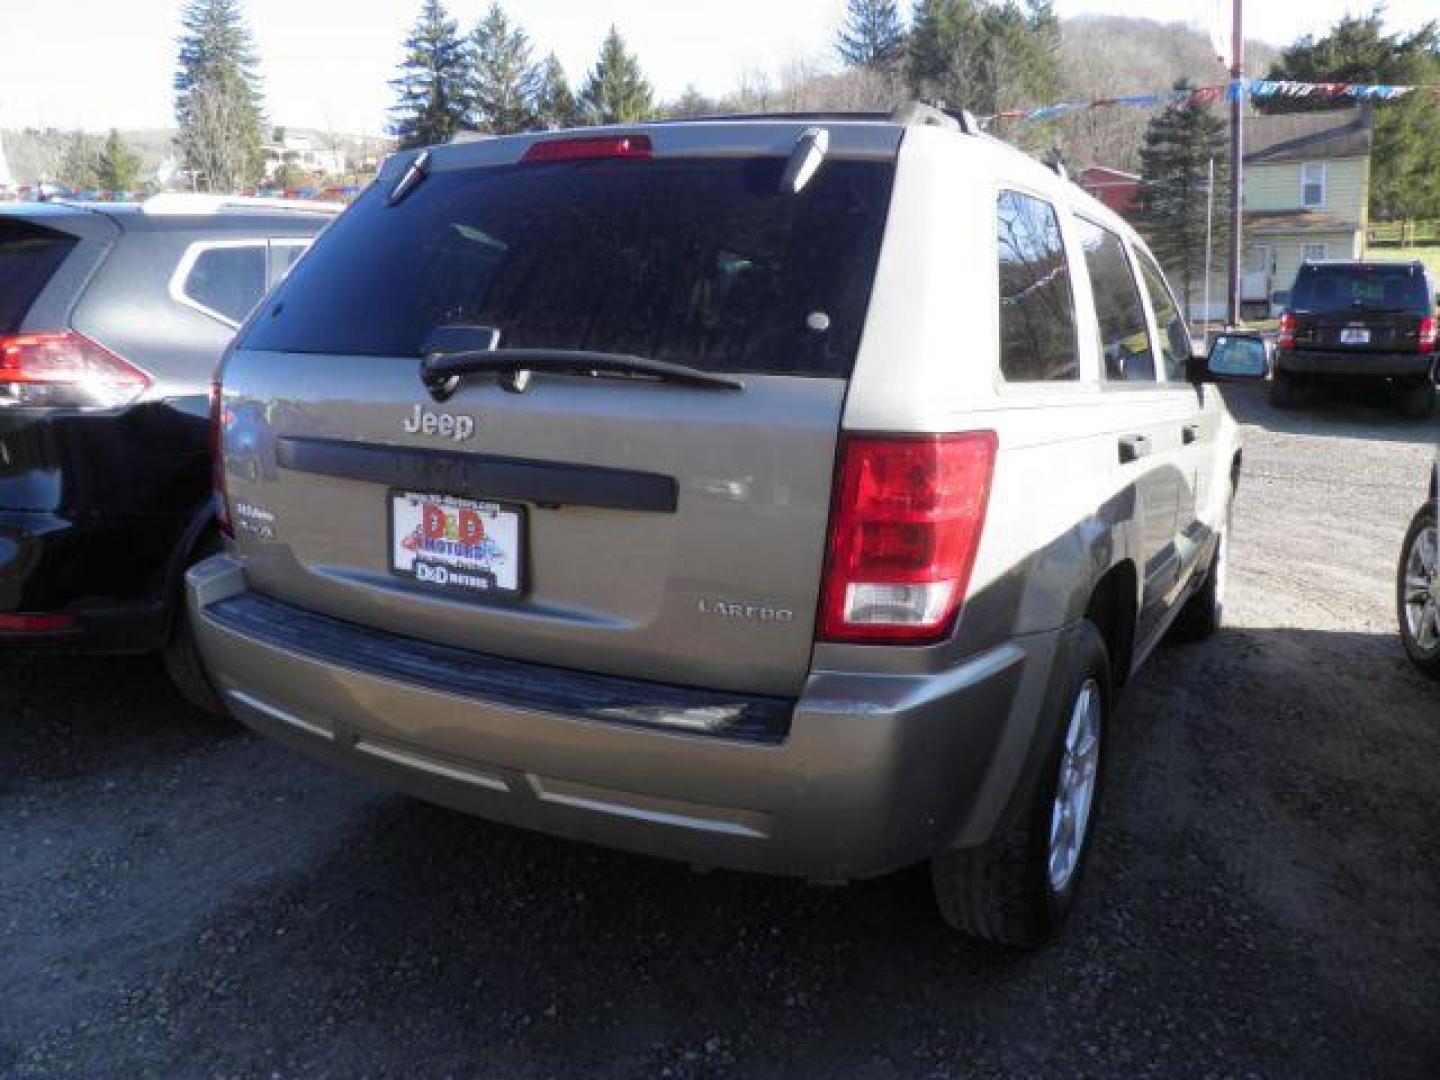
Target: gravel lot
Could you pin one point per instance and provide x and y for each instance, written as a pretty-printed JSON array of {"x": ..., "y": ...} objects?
[{"x": 178, "y": 897}]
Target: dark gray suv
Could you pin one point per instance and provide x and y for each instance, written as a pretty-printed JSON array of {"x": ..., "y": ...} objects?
[{"x": 112, "y": 320}]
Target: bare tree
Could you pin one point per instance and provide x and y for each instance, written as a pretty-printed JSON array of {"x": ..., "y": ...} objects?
[{"x": 217, "y": 142}]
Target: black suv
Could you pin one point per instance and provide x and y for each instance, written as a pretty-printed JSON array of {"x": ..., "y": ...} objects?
[
  {"x": 1359, "y": 320},
  {"x": 112, "y": 321}
]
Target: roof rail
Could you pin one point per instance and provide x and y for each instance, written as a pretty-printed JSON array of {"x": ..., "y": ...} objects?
[
  {"x": 187, "y": 202},
  {"x": 935, "y": 114}
]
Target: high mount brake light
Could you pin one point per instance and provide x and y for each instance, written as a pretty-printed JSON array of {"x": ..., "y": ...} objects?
[
  {"x": 65, "y": 370},
  {"x": 588, "y": 148},
  {"x": 1287, "y": 331},
  {"x": 906, "y": 524}
]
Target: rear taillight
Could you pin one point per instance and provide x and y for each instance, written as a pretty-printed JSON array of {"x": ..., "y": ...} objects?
[
  {"x": 217, "y": 457},
  {"x": 21, "y": 623},
  {"x": 1428, "y": 335},
  {"x": 904, "y": 529},
  {"x": 1287, "y": 331},
  {"x": 588, "y": 148},
  {"x": 64, "y": 370}
]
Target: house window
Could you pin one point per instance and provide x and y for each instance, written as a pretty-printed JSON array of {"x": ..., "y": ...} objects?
[
  {"x": 1312, "y": 184},
  {"x": 1314, "y": 252}
]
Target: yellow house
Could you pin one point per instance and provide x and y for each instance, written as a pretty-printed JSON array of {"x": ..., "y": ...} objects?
[{"x": 1307, "y": 193}]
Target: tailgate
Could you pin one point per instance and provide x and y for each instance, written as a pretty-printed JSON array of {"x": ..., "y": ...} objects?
[{"x": 616, "y": 524}]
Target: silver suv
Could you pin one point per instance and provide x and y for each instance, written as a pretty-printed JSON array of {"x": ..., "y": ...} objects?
[{"x": 789, "y": 494}]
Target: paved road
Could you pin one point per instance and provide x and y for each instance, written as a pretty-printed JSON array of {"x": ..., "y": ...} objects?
[{"x": 184, "y": 899}]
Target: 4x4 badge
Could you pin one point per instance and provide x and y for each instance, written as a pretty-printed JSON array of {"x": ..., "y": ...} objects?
[{"x": 457, "y": 426}]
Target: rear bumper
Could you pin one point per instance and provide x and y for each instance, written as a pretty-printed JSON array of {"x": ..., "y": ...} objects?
[
  {"x": 1355, "y": 364},
  {"x": 89, "y": 573},
  {"x": 871, "y": 773}
]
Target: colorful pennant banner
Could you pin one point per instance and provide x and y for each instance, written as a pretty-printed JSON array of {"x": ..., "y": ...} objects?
[{"x": 1256, "y": 89}]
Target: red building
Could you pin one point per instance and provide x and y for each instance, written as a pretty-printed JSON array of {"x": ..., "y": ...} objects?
[{"x": 1118, "y": 190}]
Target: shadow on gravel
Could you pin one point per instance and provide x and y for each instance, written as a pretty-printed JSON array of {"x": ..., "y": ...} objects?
[
  {"x": 1359, "y": 412},
  {"x": 1263, "y": 899}
]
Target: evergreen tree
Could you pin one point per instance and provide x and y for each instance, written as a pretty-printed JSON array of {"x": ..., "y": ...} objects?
[
  {"x": 555, "y": 105},
  {"x": 506, "y": 81},
  {"x": 78, "y": 161},
  {"x": 433, "y": 99},
  {"x": 1405, "y": 155},
  {"x": 1179, "y": 144},
  {"x": 941, "y": 34},
  {"x": 118, "y": 167},
  {"x": 217, "y": 96},
  {"x": 616, "y": 91},
  {"x": 873, "y": 35}
]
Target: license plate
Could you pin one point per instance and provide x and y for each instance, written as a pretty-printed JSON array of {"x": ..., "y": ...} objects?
[
  {"x": 1352, "y": 336},
  {"x": 457, "y": 545}
]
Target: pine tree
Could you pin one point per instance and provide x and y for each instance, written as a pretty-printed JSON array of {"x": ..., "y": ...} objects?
[
  {"x": 873, "y": 35},
  {"x": 118, "y": 167},
  {"x": 433, "y": 99},
  {"x": 938, "y": 60},
  {"x": 1405, "y": 154},
  {"x": 616, "y": 91},
  {"x": 506, "y": 81},
  {"x": 217, "y": 96},
  {"x": 555, "y": 105},
  {"x": 1179, "y": 144}
]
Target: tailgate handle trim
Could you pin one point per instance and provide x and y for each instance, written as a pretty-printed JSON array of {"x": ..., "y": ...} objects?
[{"x": 481, "y": 476}]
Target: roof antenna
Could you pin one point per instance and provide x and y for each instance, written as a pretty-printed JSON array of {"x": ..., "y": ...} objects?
[
  {"x": 418, "y": 170},
  {"x": 805, "y": 160}
]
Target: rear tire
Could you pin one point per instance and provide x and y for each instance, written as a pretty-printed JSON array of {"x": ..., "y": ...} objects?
[
  {"x": 181, "y": 654},
  {"x": 1018, "y": 888},
  {"x": 1416, "y": 603},
  {"x": 1282, "y": 390},
  {"x": 1417, "y": 400}
]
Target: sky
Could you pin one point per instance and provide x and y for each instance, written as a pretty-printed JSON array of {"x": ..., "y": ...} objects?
[{"x": 108, "y": 63}]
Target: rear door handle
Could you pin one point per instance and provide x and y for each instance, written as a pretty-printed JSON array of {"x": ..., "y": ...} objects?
[
  {"x": 1189, "y": 433},
  {"x": 1133, "y": 448}
]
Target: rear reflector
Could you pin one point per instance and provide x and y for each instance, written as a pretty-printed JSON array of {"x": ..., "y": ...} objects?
[
  {"x": 588, "y": 148},
  {"x": 1287, "y": 331},
  {"x": 1428, "y": 336},
  {"x": 64, "y": 370},
  {"x": 35, "y": 624},
  {"x": 904, "y": 529},
  {"x": 217, "y": 456}
]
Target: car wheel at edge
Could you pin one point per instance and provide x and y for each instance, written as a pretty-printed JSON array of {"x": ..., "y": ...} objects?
[{"x": 1416, "y": 600}]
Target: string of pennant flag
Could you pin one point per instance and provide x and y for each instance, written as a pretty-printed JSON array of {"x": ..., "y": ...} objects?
[{"x": 1255, "y": 89}]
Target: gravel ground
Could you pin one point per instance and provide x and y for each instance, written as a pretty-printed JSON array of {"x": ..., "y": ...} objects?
[{"x": 180, "y": 898}]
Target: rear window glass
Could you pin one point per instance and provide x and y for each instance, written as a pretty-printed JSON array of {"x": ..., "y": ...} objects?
[
  {"x": 1359, "y": 288},
  {"x": 704, "y": 263},
  {"x": 1119, "y": 314},
  {"x": 1037, "y": 314},
  {"x": 29, "y": 256}
]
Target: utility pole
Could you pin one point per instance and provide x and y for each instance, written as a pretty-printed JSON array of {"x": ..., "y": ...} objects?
[{"x": 1237, "y": 157}]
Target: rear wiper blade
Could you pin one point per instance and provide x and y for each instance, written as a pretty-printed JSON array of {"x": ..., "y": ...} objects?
[{"x": 442, "y": 371}]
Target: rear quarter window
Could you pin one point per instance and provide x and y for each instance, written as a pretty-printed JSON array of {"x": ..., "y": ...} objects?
[
  {"x": 29, "y": 256},
  {"x": 1037, "y": 310},
  {"x": 699, "y": 262},
  {"x": 224, "y": 280}
]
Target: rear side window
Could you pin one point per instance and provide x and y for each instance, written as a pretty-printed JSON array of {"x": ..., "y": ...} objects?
[
  {"x": 29, "y": 257},
  {"x": 1119, "y": 313},
  {"x": 1174, "y": 338},
  {"x": 1037, "y": 313},
  {"x": 699, "y": 262},
  {"x": 226, "y": 280},
  {"x": 1346, "y": 289}
]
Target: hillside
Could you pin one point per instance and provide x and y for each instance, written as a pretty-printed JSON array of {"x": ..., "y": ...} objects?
[{"x": 1112, "y": 55}]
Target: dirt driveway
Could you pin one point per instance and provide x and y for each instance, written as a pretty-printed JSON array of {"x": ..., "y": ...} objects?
[{"x": 178, "y": 898}]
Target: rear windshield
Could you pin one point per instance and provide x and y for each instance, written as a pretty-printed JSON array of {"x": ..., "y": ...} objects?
[
  {"x": 1359, "y": 288},
  {"x": 698, "y": 262},
  {"x": 29, "y": 255}
]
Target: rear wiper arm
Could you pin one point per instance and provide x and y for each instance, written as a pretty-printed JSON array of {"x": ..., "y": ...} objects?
[{"x": 442, "y": 371}]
